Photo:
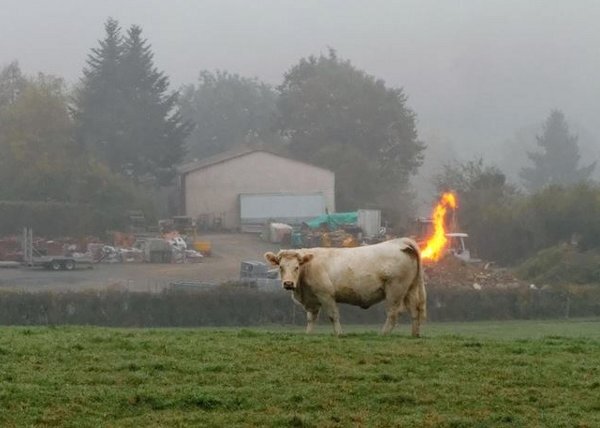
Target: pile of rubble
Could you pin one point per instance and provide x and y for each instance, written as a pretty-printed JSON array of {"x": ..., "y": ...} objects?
[
  {"x": 453, "y": 272},
  {"x": 11, "y": 248},
  {"x": 124, "y": 248}
]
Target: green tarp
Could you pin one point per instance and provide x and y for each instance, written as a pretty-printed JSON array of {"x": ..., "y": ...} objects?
[{"x": 333, "y": 221}]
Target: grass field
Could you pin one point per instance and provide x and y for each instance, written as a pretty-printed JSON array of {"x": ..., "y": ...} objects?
[{"x": 517, "y": 373}]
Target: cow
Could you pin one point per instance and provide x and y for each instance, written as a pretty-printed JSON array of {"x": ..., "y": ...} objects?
[{"x": 361, "y": 276}]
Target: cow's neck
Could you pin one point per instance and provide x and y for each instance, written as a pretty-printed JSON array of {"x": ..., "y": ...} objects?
[
  {"x": 300, "y": 286},
  {"x": 303, "y": 292}
]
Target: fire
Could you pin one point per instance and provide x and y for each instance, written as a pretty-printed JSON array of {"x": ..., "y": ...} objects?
[{"x": 434, "y": 248}]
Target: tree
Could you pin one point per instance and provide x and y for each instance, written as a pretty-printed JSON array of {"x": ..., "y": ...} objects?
[
  {"x": 488, "y": 208},
  {"x": 156, "y": 132},
  {"x": 557, "y": 161},
  {"x": 228, "y": 110},
  {"x": 124, "y": 111},
  {"x": 43, "y": 169},
  {"x": 12, "y": 84},
  {"x": 341, "y": 118},
  {"x": 559, "y": 214},
  {"x": 473, "y": 176},
  {"x": 36, "y": 142},
  {"x": 99, "y": 101}
]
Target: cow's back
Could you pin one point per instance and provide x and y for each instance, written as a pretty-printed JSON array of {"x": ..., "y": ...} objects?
[{"x": 359, "y": 275}]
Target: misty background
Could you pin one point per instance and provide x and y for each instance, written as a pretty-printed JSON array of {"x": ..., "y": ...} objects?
[
  {"x": 481, "y": 76},
  {"x": 102, "y": 102}
]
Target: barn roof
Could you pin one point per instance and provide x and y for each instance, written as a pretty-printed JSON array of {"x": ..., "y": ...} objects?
[{"x": 232, "y": 154}]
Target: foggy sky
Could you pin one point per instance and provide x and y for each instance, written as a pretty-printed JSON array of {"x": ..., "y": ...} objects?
[{"x": 476, "y": 72}]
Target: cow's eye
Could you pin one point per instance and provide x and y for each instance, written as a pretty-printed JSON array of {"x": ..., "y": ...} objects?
[{"x": 296, "y": 269}]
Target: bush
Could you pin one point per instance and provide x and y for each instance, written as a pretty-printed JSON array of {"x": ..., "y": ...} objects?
[
  {"x": 54, "y": 219},
  {"x": 242, "y": 306},
  {"x": 562, "y": 264}
]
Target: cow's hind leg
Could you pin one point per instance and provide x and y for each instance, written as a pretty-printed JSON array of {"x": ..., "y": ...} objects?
[
  {"x": 416, "y": 323},
  {"x": 392, "y": 309},
  {"x": 393, "y": 306},
  {"x": 417, "y": 312},
  {"x": 311, "y": 318}
]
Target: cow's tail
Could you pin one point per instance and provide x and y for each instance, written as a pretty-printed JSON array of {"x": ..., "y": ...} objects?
[{"x": 416, "y": 297}]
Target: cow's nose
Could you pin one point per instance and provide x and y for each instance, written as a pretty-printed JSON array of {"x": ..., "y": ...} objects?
[{"x": 288, "y": 285}]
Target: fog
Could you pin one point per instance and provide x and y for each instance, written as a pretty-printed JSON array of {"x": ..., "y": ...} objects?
[{"x": 481, "y": 76}]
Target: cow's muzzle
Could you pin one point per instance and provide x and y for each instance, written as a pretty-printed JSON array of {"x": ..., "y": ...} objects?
[{"x": 289, "y": 285}]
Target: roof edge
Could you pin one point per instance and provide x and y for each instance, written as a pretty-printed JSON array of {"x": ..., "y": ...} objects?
[{"x": 233, "y": 154}]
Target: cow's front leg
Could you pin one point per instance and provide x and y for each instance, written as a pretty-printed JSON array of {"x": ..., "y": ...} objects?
[
  {"x": 333, "y": 313},
  {"x": 311, "y": 317},
  {"x": 393, "y": 307}
]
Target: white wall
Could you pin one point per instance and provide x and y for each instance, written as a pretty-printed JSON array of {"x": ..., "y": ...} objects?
[{"x": 214, "y": 190}]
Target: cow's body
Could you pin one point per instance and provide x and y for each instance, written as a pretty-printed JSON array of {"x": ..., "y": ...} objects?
[{"x": 361, "y": 276}]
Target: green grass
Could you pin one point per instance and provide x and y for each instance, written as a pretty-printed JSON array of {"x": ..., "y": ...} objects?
[
  {"x": 499, "y": 330},
  {"x": 493, "y": 374}
]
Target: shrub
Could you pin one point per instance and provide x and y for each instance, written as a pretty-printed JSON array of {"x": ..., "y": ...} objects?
[
  {"x": 230, "y": 305},
  {"x": 562, "y": 264},
  {"x": 53, "y": 219}
]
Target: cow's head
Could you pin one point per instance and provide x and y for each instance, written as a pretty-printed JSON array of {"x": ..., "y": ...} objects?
[{"x": 289, "y": 263}]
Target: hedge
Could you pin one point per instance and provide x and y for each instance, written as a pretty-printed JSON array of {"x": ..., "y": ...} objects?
[{"x": 230, "y": 305}]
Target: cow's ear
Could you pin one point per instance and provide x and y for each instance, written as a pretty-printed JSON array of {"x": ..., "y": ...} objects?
[
  {"x": 306, "y": 258},
  {"x": 272, "y": 258}
]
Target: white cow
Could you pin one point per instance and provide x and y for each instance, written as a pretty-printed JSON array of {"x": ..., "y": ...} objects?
[{"x": 362, "y": 276}]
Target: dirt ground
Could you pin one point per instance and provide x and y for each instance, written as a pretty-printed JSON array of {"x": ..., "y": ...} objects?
[{"x": 228, "y": 250}]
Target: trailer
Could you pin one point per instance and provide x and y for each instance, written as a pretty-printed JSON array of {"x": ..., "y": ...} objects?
[
  {"x": 60, "y": 262},
  {"x": 33, "y": 258}
]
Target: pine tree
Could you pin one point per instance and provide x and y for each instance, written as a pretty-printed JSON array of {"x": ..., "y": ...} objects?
[
  {"x": 557, "y": 162},
  {"x": 124, "y": 111},
  {"x": 156, "y": 132},
  {"x": 98, "y": 111}
]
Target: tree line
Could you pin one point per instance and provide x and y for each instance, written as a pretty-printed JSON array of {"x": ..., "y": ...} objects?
[
  {"x": 122, "y": 132},
  {"x": 557, "y": 203}
]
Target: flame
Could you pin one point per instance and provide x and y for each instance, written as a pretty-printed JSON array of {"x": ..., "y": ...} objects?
[{"x": 434, "y": 248}]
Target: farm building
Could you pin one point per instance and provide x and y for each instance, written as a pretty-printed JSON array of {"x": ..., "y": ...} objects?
[{"x": 242, "y": 189}]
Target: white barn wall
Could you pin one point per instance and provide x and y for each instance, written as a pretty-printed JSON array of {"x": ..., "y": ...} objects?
[{"x": 214, "y": 190}]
